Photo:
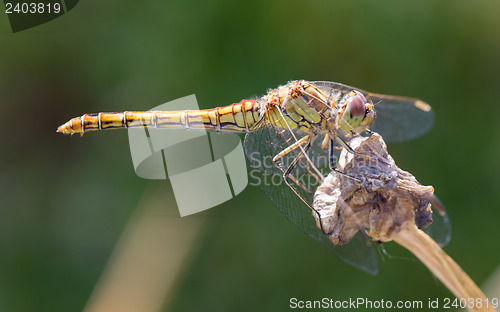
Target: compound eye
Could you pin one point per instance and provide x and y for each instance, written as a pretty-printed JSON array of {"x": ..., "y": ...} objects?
[{"x": 356, "y": 105}]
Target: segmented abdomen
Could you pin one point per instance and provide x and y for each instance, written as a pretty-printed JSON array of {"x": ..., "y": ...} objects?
[{"x": 238, "y": 117}]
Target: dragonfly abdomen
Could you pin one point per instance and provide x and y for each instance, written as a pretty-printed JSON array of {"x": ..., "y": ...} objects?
[{"x": 238, "y": 117}]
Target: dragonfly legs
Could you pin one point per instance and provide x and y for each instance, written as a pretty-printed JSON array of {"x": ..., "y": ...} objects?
[
  {"x": 352, "y": 151},
  {"x": 286, "y": 172},
  {"x": 332, "y": 159},
  {"x": 306, "y": 141},
  {"x": 303, "y": 145}
]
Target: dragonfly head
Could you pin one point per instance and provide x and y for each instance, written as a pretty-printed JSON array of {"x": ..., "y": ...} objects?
[{"x": 356, "y": 113}]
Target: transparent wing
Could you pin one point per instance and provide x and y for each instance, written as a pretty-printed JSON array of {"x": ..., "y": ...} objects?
[
  {"x": 440, "y": 229},
  {"x": 397, "y": 118},
  {"x": 261, "y": 146}
]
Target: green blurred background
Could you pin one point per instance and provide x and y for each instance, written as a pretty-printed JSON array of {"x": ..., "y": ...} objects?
[{"x": 66, "y": 200}]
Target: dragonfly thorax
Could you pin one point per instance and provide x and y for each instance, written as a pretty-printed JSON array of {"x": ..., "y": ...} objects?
[{"x": 302, "y": 105}]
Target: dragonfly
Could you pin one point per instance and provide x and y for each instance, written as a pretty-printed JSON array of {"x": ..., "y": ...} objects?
[{"x": 294, "y": 132}]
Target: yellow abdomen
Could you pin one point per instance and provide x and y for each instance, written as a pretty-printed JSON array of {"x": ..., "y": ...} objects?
[{"x": 238, "y": 117}]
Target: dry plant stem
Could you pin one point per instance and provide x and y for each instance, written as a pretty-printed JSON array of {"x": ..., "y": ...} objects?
[
  {"x": 442, "y": 266},
  {"x": 391, "y": 205}
]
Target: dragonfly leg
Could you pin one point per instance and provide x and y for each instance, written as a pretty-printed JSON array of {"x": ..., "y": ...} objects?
[
  {"x": 287, "y": 176},
  {"x": 347, "y": 147},
  {"x": 350, "y": 150},
  {"x": 332, "y": 156},
  {"x": 286, "y": 173},
  {"x": 305, "y": 140},
  {"x": 332, "y": 161}
]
